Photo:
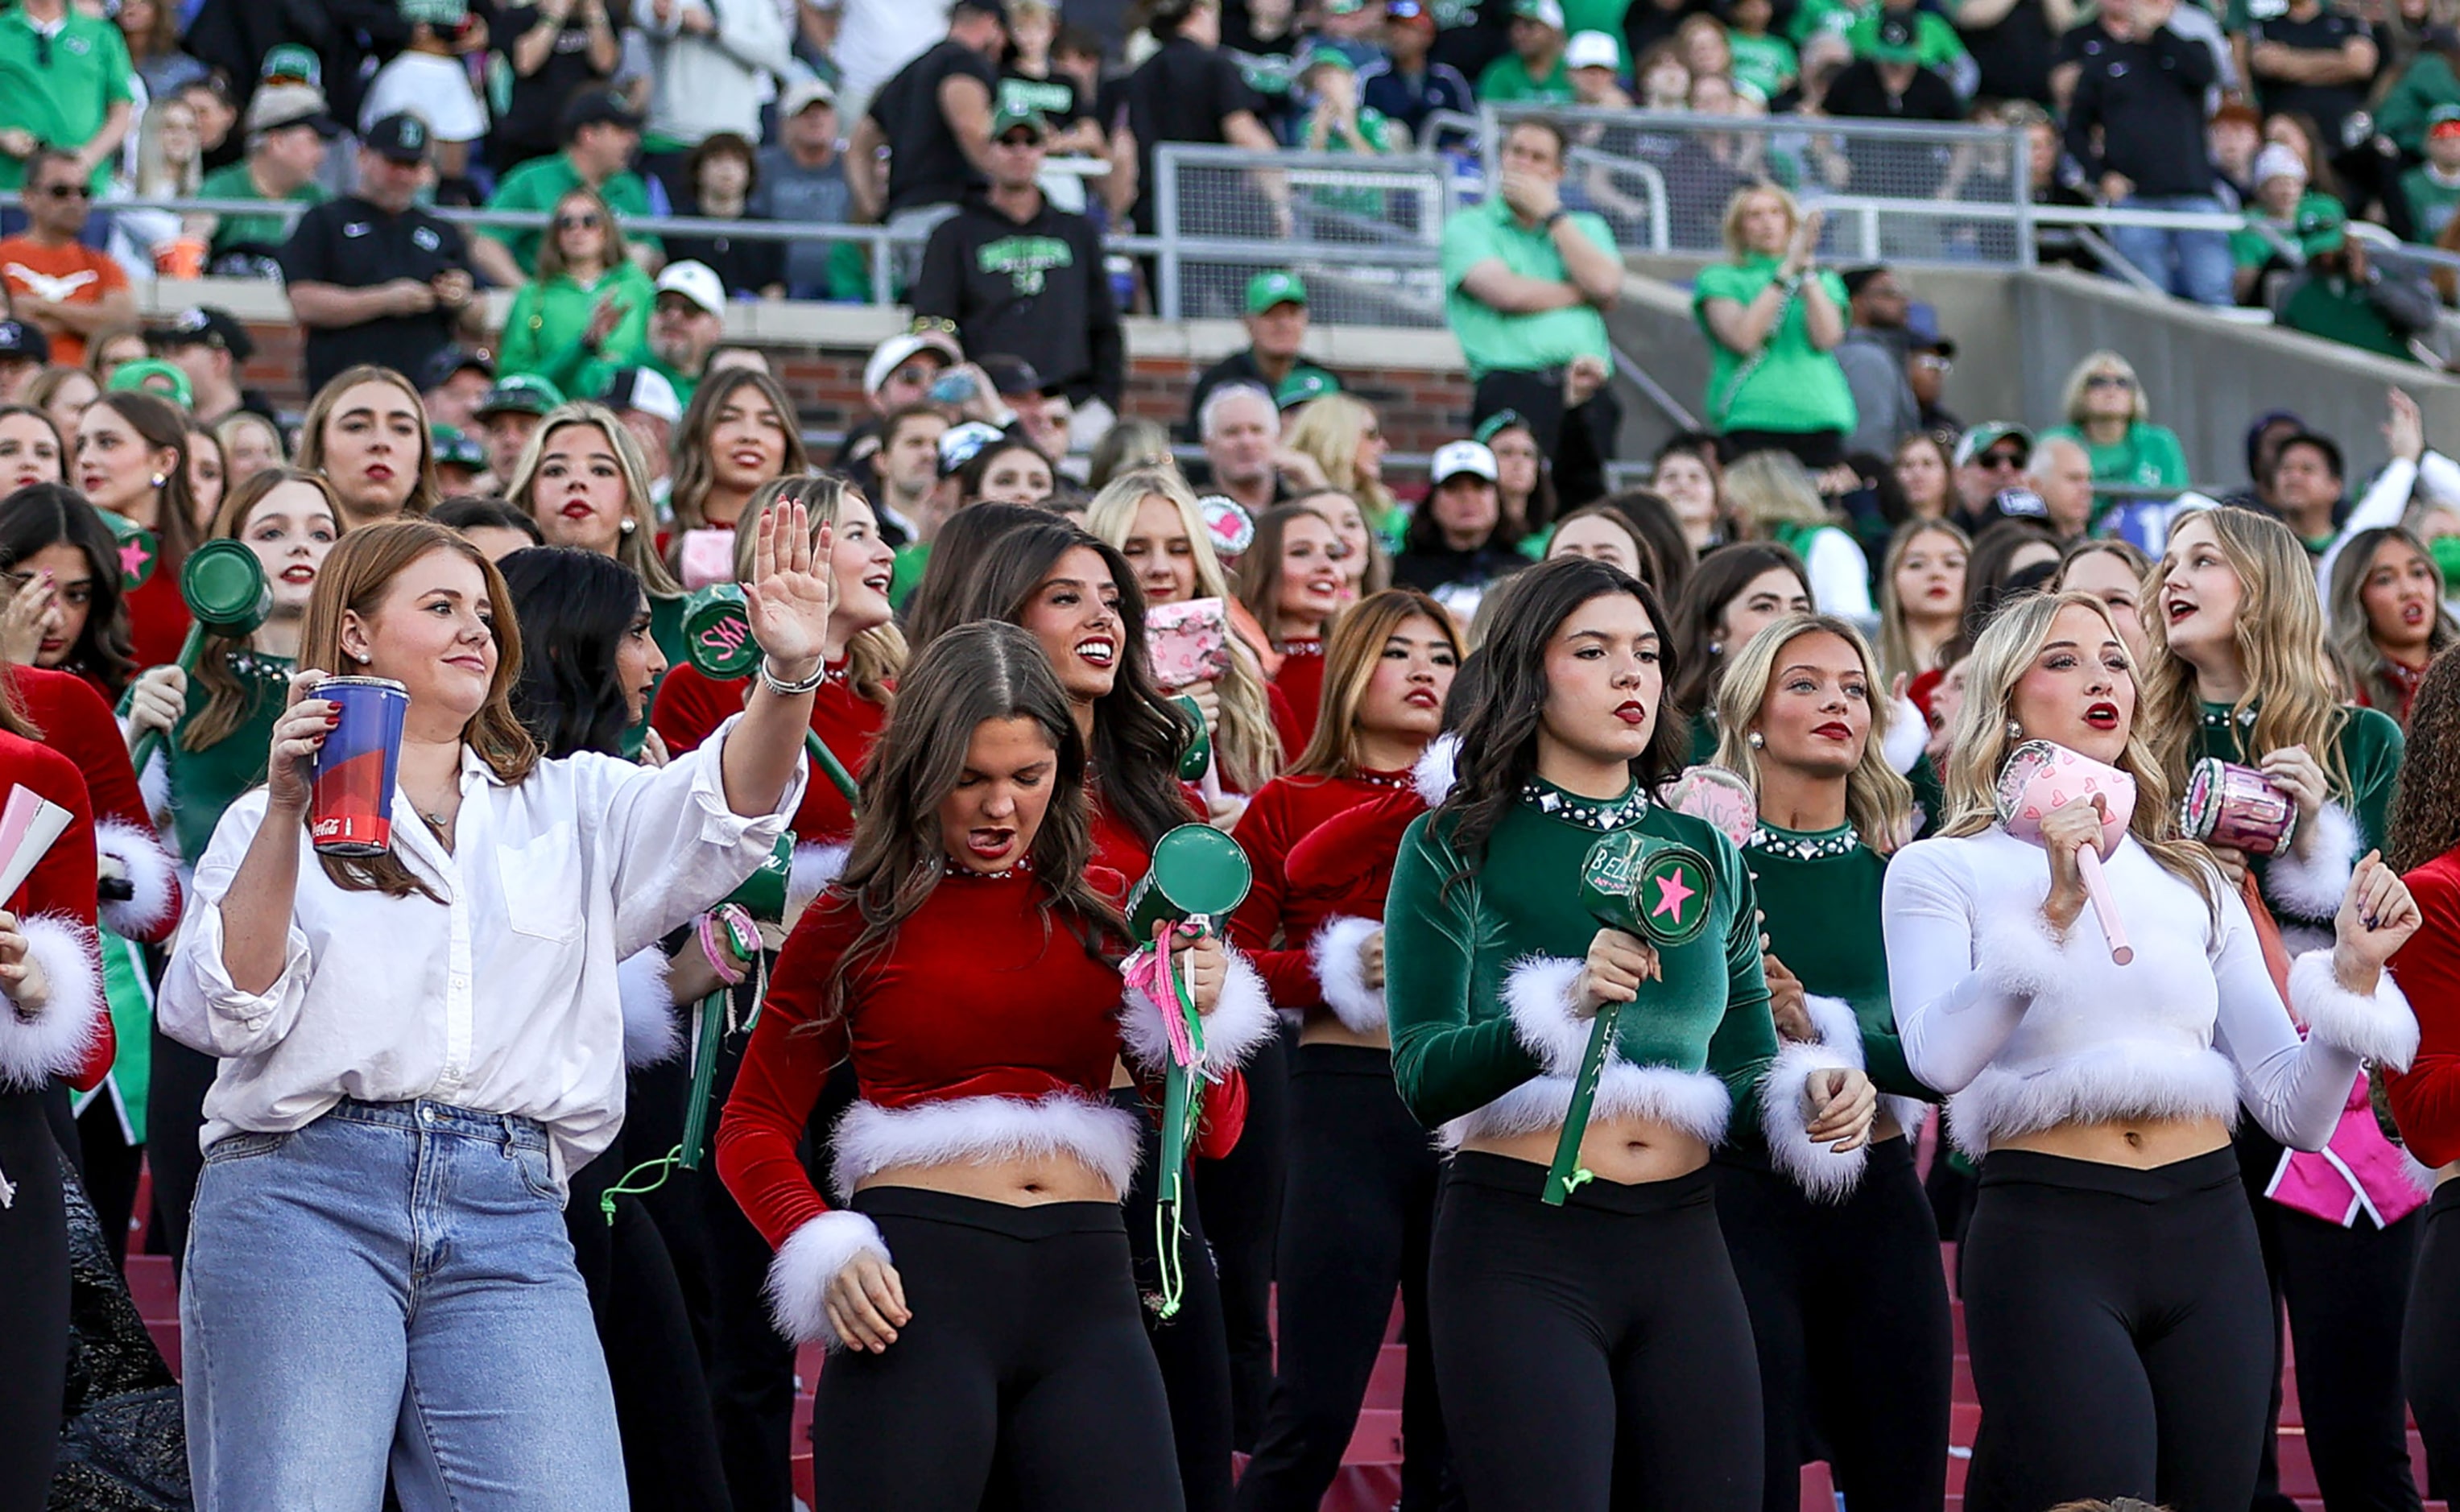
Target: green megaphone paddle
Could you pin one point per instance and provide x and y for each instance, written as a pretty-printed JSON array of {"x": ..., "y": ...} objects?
[
  {"x": 1658, "y": 890},
  {"x": 1198, "y": 876},
  {"x": 717, "y": 636},
  {"x": 229, "y": 596}
]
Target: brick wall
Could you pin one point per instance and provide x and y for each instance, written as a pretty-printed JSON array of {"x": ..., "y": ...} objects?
[{"x": 1420, "y": 410}]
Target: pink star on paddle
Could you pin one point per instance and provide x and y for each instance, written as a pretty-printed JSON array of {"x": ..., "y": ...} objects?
[
  {"x": 133, "y": 558},
  {"x": 1671, "y": 896}
]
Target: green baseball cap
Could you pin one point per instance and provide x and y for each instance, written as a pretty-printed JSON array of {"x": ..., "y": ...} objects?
[
  {"x": 527, "y": 392},
  {"x": 154, "y": 376},
  {"x": 1280, "y": 286},
  {"x": 454, "y": 447},
  {"x": 292, "y": 61},
  {"x": 1330, "y": 57},
  {"x": 1302, "y": 385},
  {"x": 1894, "y": 41},
  {"x": 2322, "y": 225},
  {"x": 1009, "y": 118}
]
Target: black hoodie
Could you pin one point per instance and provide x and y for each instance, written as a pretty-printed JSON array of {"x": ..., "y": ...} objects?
[{"x": 1035, "y": 289}]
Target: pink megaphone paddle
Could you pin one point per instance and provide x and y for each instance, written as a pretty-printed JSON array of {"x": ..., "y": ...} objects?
[{"x": 2041, "y": 776}]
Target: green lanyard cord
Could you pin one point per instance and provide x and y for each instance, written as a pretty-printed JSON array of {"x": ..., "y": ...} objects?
[{"x": 1181, "y": 1111}]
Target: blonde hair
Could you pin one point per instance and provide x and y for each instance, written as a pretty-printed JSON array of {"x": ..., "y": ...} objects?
[
  {"x": 1896, "y": 643},
  {"x": 1980, "y": 742},
  {"x": 2079, "y": 377},
  {"x": 2291, "y": 688},
  {"x": 1877, "y": 800},
  {"x": 875, "y": 657},
  {"x": 636, "y": 548},
  {"x": 1732, "y": 228},
  {"x": 1769, "y": 489},
  {"x": 237, "y": 420},
  {"x": 1349, "y": 657},
  {"x": 1250, "y": 747},
  {"x": 154, "y": 174},
  {"x": 1328, "y": 429}
]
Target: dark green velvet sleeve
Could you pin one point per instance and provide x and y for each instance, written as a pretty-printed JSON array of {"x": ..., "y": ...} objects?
[
  {"x": 2372, "y": 744},
  {"x": 1454, "y": 1050},
  {"x": 1745, "y": 1042}
]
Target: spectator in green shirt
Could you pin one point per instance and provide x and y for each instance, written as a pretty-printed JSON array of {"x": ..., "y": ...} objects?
[
  {"x": 1765, "y": 64},
  {"x": 2344, "y": 297},
  {"x": 588, "y": 307},
  {"x": 1774, "y": 318},
  {"x": 2432, "y": 190},
  {"x": 2281, "y": 199},
  {"x": 1526, "y": 285},
  {"x": 2109, "y": 416},
  {"x": 64, "y": 83},
  {"x": 1533, "y": 70},
  {"x": 1936, "y": 44},
  {"x": 601, "y": 133},
  {"x": 287, "y": 129},
  {"x": 2406, "y": 114}
]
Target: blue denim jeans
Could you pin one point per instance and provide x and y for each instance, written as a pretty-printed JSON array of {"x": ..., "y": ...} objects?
[
  {"x": 2192, "y": 264},
  {"x": 391, "y": 1285}
]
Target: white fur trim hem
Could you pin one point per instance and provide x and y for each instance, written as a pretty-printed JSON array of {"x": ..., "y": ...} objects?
[
  {"x": 1824, "y": 1173},
  {"x": 804, "y": 1266},
  {"x": 1539, "y": 995},
  {"x": 649, "y": 1032},
  {"x": 810, "y": 873},
  {"x": 2380, "y": 1028},
  {"x": 2311, "y": 886},
  {"x": 2017, "y": 953},
  {"x": 55, "y": 1042},
  {"x": 152, "y": 875},
  {"x": 1241, "y": 1018},
  {"x": 2121, "y": 1078},
  {"x": 1693, "y": 1101},
  {"x": 1334, "y": 954},
  {"x": 869, "y": 1139},
  {"x": 1839, "y": 1029},
  {"x": 1436, "y": 768}
]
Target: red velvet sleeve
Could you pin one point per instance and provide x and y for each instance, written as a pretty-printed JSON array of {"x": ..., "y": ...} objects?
[
  {"x": 690, "y": 706},
  {"x": 2426, "y": 1098},
  {"x": 1224, "y": 1117},
  {"x": 782, "y": 1075},
  {"x": 76, "y": 722},
  {"x": 62, "y": 884},
  {"x": 1265, "y": 833},
  {"x": 157, "y": 617},
  {"x": 1285, "y": 722}
]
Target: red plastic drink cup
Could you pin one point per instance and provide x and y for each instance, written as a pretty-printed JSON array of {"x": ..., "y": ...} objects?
[{"x": 351, "y": 810}]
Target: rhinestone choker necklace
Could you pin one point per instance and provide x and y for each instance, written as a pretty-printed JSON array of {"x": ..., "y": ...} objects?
[
  {"x": 1794, "y": 846},
  {"x": 1587, "y": 813}
]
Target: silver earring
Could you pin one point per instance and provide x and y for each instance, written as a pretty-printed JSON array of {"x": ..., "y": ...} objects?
[
  {"x": 161, "y": 478},
  {"x": 1756, "y": 741},
  {"x": 2015, "y": 731},
  {"x": 361, "y": 658},
  {"x": 1716, "y": 648},
  {"x": 629, "y": 525}
]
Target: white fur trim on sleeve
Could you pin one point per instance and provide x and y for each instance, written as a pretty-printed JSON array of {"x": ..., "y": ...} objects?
[
  {"x": 1839, "y": 1030},
  {"x": 1433, "y": 772},
  {"x": 2311, "y": 886},
  {"x": 1334, "y": 954},
  {"x": 649, "y": 1032},
  {"x": 2017, "y": 953},
  {"x": 1823, "y": 1174},
  {"x": 1908, "y": 736},
  {"x": 1241, "y": 1018},
  {"x": 55, "y": 1041},
  {"x": 153, "y": 878},
  {"x": 806, "y": 1262},
  {"x": 2379, "y": 1028},
  {"x": 1539, "y": 995},
  {"x": 811, "y": 871},
  {"x": 154, "y": 783}
]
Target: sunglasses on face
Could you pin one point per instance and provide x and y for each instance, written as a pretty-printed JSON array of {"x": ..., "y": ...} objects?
[
  {"x": 68, "y": 191},
  {"x": 1996, "y": 460},
  {"x": 2109, "y": 380},
  {"x": 586, "y": 221},
  {"x": 1933, "y": 364}
]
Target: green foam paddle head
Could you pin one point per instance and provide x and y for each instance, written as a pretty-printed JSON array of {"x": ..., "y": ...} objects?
[
  {"x": 1195, "y": 757},
  {"x": 717, "y": 632},
  {"x": 1657, "y": 889},
  {"x": 226, "y": 588},
  {"x": 1198, "y": 873},
  {"x": 763, "y": 894},
  {"x": 138, "y": 551}
]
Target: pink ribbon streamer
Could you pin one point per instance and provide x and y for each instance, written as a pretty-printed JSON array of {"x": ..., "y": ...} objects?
[{"x": 1148, "y": 971}]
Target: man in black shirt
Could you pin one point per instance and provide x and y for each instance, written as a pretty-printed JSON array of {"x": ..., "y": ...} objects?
[
  {"x": 2314, "y": 62},
  {"x": 935, "y": 120},
  {"x": 1189, "y": 91},
  {"x": 1276, "y": 331},
  {"x": 1017, "y": 277},
  {"x": 374, "y": 278},
  {"x": 1891, "y": 84},
  {"x": 210, "y": 345},
  {"x": 2143, "y": 90}
]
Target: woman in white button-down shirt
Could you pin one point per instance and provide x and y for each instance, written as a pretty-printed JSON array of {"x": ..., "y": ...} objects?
[{"x": 416, "y": 1047}]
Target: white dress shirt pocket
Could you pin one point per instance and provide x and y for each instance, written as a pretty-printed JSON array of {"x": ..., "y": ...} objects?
[{"x": 541, "y": 880}]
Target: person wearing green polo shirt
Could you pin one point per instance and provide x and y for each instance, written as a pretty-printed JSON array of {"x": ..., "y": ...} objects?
[
  {"x": 65, "y": 84},
  {"x": 600, "y": 135},
  {"x": 287, "y": 129},
  {"x": 1774, "y": 318},
  {"x": 2432, "y": 190},
  {"x": 1526, "y": 284},
  {"x": 1277, "y": 329},
  {"x": 1533, "y": 70},
  {"x": 2344, "y": 297}
]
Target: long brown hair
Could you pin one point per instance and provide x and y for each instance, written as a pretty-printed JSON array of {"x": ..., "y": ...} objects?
[
  {"x": 695, "y": 474},
  {"x": 1349, "y": 658},
  {"x": 613, "y": 254},
  {"x": 1260, "y": 565},
  {"x": 2426, "y": 815},
  {"x": 163, "y": 426},
  {"x": 357, "y": 578},
  {"x": 875, "y": 657},
  {"x": 425, "y": 492},
  {"x": 228, "y": 699},
  {"x": 2362, "y": 658},
  {"x": 1895, "y": 641},
  {"x": 974, "y": 672}
]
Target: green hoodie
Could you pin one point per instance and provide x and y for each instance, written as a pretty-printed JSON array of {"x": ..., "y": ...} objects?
[{"x": 543, "y": 330}]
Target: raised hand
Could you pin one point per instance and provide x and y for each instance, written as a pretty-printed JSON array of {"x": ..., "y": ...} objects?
[
  {"x": 2377, "y": 917},
  {"x": 790, "y": 592}
]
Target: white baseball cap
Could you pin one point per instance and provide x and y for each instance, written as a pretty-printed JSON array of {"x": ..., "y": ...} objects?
[
  {"x": 802, "y": 95},
  {"x": 1592, "y": 49},
  {"x": 1455, "y": 457},
  {"x": 891, "y": 354},
  {"x": 697, "y": 281}
]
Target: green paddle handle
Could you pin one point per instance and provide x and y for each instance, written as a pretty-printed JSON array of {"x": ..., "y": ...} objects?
[
  {"x": 829, "y": 766},
  {"x": 152, "y": 740},
  {"x": 1565, "y": 1174},
  {"x": 711, "y": 1023}
]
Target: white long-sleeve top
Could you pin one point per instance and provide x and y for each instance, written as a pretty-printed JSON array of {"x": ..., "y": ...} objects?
[
  {"x": 2026, "y": 1032},
  {"x": 501, "y": 997},
  {"x": 2385, "y": 503}
]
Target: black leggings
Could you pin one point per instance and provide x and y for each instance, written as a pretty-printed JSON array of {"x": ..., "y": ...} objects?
[
  {"x": 1024, "y": 1351},
  {"x": 1362, "y": 1204},
  {"x": 2116, "y": 1323},
  {"x": 109, "y": 1166},
  {"x": 1190, "y": 1347},
  {"x": 1592, "y": 1357},
  {"x": 1850, "y": 1313},
  {"x": 175, "y": 1116},
  {"x": 1240, "y": 1194},
  {"x": 2347, "y": 1291},
  {"x": 34, "y": 1298},
  {"x": 2429, "y": 1364}
]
